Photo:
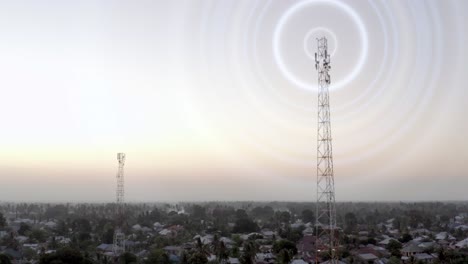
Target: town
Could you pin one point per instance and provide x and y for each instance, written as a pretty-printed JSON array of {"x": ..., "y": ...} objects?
[{"x": 233, "y": 233}]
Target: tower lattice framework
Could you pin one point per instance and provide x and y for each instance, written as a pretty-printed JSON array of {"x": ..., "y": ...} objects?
[
  {"x": 119, "y": 237},
  {"x": 325, "y": 226}
]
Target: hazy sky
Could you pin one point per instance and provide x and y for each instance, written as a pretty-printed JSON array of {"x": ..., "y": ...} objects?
[{"x": 216, "y": 100}]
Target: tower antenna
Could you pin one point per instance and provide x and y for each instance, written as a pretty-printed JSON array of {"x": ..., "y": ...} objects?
[
  {"x": 118, "y": 246},
  {"x": 325, "y": 225}
]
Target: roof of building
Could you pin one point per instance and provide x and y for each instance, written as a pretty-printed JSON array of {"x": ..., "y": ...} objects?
[
  {"x": 226, "y": 240},
  {"x": 444, "y": 236},
  {"x": 336, "y": 262},
  {"x": 298, "y": 261},
  {"x": 12, "y": 253},
  {"x": 105, "y": 247},
  {"x": 386, "y": 241},
  {"x": 423, "y": 256},
  {"x": 172, "y": 248},
  {"x": 426, "y": 244},
  {"x": 367, "y": 256},
  {"x": 462, "y": 244},
  {"x": 411, "y": 248},
  {"x": 165, "y": 232},
  {"x": 462, "y": 227}
]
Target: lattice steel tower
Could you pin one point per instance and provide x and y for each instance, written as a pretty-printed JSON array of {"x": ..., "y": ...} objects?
[
  {"x": 325, "y": 225},
  {"x": 119, "y": 237}
]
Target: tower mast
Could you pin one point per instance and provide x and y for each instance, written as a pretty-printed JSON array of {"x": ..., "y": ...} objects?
[
  {"x": 325, "y": 225},
  {"x": 118, "y": 246}
]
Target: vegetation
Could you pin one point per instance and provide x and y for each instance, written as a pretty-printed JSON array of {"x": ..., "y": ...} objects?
[
  {"x": 65, "y": 256},
  {"x": 196, "y": 233},
  {"x": 2, "y": 221},
  {"x": 158, "y": 256},
  {"x": 4, "y": 259},
  {"x": 394, "y": 248}
]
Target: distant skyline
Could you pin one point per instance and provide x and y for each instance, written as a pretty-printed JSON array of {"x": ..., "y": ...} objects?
[{"x": 216, "y": 100}]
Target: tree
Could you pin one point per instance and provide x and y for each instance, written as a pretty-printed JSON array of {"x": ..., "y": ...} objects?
[
  {"x": 350, "y": 222},
  {"x": 415, "y": 217},
  {"x": 56, "y": 212},
  {"x": 371, "y": 240},
  {"x": 53, "y": 243},
  {"x": 394, "y": 248},
  {"x": 237, "y": 240},
  {"x": 128, "y": 258},
  {"x": 38, "y": 235},
  {"x": 393, "y": 260},
  {"x": 184, "y": 258},
  {"x": 62, "y": 228},
  {"x": 284, "y": 257},
  {"x": 28, "y": 253},
  {"x": 397, "y": 223},
  {"x": 250, "y": 250},
  {"x": 263, "y": 213},
  {"x": 197, "y": 258},
  {"x": 10, "y": 242},
  {"x": 65, "y": 255},
  {"x": 158, "y": 256},
  {"x": 24, "y": 229},
  {"x": 222, "y": 252},
  {"x": 406, "y": 238},
  {"x": 149, "y": 217},
  {"x": 2, "y": 221},
  {"x": 293, "y": 235},
  {"x": 219, "y": 249},
  {"x": 285, "y": 217},
  {"x": 108, "y": 236},
  {"x": 82, "y": 225},
  {"x": 308, "y": 216},
  {"x": 201, "y": 248},
  {"x": 235, "y": 251},
  {"x": 4, "y": 259},
  {"x": 199, "y": 212},
  {"x": 241, "y": 214},
  {"x": 441, "y": 255},
  {"x": 245, "y": 225},
  {"x": 215, "y": 244},
  {"x": 278, "y": 246}
]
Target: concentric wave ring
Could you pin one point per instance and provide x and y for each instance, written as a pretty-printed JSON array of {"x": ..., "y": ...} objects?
[{"x": 277, "y": 46}]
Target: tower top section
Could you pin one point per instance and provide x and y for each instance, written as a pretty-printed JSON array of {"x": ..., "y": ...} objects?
[
  {"x": 322, "y": 58},
  {"x": 121, "y": 157}
]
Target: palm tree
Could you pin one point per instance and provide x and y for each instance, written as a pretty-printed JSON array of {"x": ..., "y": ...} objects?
[
  {"x": 184, "y": 257},
  {"x": 284, "y": 256},
  {"x": 201, "y": 248},
  {"x": 222, "y": 252},
  {"x": 215, "y": 244},
  {"x": 250, "y": 251}
]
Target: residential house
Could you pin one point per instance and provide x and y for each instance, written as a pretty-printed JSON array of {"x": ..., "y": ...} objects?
[
  {"x": 366, "y": 258},
  {"x": 410, "y": 249},
  {"x": 424, "y": 258}
]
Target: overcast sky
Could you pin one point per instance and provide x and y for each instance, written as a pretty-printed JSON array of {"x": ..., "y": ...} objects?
[{"x": 216, "y": 100}]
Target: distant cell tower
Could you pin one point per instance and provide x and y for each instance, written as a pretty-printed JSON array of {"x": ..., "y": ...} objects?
[
  {"x": 119, "y": 237},
  {"x": 325, "y": 225}
]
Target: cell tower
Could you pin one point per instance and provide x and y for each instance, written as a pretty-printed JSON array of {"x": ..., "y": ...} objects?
[
  {"x": 119, "y": 237},
  {"x": 325, "y": 225}
]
